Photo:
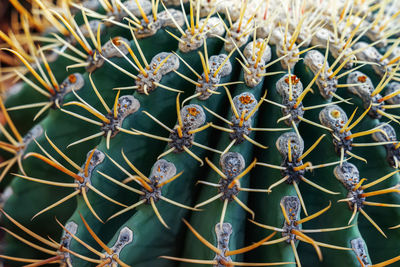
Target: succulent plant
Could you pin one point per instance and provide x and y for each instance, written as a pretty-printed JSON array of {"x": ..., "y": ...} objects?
[{"x": 201, "y": 132}]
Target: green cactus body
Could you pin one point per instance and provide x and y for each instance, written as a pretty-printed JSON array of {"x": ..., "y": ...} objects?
[{"x": 216, "y": 133}]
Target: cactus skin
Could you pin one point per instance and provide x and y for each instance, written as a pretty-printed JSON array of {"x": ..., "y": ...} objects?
[{"x": 178, "y": 114}]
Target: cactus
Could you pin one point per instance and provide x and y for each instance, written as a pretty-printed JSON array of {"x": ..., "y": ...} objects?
[{"x": 201, "y": 132}]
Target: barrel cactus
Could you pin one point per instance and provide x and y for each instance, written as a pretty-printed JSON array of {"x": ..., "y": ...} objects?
[{"x": 200, "y": 132}]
